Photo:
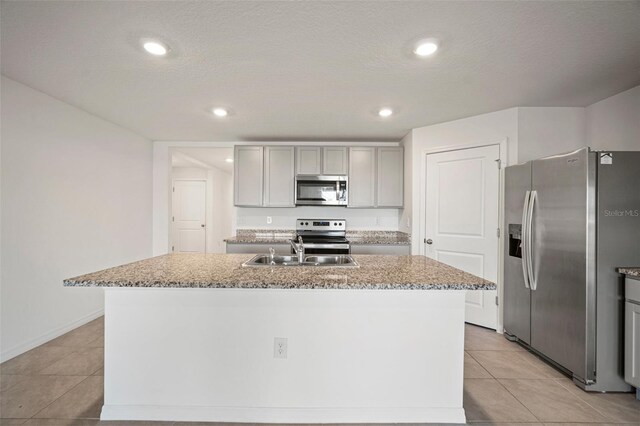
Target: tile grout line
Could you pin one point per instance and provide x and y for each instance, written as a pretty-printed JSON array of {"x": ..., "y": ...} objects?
[
  {"x": 558, "y": 381},
  {"x": 70, "y": 389},
  {"x": 522, "y": 403},
  {"x": 555, "y": 380},
  {"x": 481, "y": 366},
  {"x": 505, "y": 388}
]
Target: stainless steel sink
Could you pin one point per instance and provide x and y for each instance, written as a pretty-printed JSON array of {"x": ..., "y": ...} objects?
[
  {"x": 268, "y": 260},
  {"x": 331, "y": 260},
  {"x": 316, "y": 260}
]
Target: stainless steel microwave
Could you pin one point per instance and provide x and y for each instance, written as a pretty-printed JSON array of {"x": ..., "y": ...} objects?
[{"x": 321, "y": 190}]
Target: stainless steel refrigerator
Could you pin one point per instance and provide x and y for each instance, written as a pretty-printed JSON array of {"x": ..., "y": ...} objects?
[{"x": 571, "y": 220}]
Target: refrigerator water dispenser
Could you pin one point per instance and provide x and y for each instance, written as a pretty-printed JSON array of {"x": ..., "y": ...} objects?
[{"x": 515, "y": 240}]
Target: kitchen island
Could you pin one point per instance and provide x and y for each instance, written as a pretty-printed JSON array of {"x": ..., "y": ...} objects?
[{"x": 198, "y": 337}]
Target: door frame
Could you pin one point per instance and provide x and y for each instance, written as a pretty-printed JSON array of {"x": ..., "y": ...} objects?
[
  {"x": 422, "y": 232},
  {"x": 206, "y": 212}
]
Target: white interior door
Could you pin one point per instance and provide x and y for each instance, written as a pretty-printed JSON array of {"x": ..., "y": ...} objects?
[
  {"x": 462, "y": 219},
  {"x": 189, "y": 216}
]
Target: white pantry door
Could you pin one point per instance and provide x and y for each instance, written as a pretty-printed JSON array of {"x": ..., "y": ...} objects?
[
  {"x": 462, "y": 220},
  {"x": 189, "y": 213}
]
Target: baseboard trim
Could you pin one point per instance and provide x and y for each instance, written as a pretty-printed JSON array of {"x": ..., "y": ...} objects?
[
  {"x": 283, "y": 415},
  {"x": 50, "y": 335}
]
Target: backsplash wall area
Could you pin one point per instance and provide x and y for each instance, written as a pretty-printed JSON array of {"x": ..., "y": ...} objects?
[{"x": 284, "y": 218}]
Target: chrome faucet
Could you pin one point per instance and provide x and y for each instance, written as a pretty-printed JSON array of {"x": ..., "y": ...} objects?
[{"x": 298, "y": 249}]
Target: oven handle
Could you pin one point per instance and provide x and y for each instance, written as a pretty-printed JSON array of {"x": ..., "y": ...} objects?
[{"x": 326, "y": 246}]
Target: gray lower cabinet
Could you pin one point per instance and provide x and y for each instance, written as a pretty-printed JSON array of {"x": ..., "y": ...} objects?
[
  {"x": 248, "y": 175},
  {"x": 390, "y": 177},
  {"x": 362, "y": 177},
  {"x": 394, "y": 250},
  {"x": 632, "y": 332},
  {"x": 258, "y": 248},
  {"x": 279, "y": 169}
]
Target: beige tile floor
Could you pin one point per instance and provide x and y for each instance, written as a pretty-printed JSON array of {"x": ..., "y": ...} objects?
[{"x": 60, "y": 383}]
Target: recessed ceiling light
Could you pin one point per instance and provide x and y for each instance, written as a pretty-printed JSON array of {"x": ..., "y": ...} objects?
[
  {"x": 426, "y": 48},
  {"x": 385, "y": 112},
  {"x": 229, "y": 160},
  {"x": 155, "y": 48},
  {"x": 220, "y": 112}
]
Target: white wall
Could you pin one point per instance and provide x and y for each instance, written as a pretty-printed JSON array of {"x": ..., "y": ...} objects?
[
  {"x": 550, "y": 131},
  {"x": 219, "y": 203},
  {"x": 614, "y": 123},
  {"x": 76, "y": 197},
  {"x": 285, "y": 218}
]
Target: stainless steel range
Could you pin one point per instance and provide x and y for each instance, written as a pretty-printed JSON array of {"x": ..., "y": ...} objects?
[{"x": 322, "y": 236}]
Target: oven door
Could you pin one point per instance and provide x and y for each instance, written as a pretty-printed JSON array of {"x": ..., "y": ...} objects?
[
  {"x": 326, "y": 248},
  {"x": 321, "y": 190}
]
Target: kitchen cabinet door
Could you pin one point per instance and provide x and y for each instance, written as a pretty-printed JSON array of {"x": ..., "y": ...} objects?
[
  {"x": 248, "y": 175},
  {"x": 632, "y": 344},
  {"x": 362, "y": 177},
  {"x": 308, "y": 160},
  {"x": 632, "y": 332},
  {"x": 334, "y": 160},
  {"x": 279, "y": 176},
  {"x": 390, "y": 177}
]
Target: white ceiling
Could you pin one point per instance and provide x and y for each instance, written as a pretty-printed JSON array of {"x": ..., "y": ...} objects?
[
  {"x": 203, "y": 157},
  {"x": 317, "y": 70}
]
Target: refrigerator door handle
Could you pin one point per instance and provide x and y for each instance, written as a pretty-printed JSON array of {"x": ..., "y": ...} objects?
[
  {"x": 523, "y": 240},
  {"x": 532, "y": 202}
]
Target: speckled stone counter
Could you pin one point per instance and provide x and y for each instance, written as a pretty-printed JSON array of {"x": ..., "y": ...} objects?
[
  {"x": 631, "y": 271},
  {"x": 379, "y": 238},
  {"x": 282, "y": 236},
  {"x": 261, "y": 236},
  {"x": 186, "y": 270}
]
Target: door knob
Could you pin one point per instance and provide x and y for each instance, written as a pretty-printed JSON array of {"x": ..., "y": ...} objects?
[
  {"x": 202, "y": 225},
  {"x": 429, "y": 241}
]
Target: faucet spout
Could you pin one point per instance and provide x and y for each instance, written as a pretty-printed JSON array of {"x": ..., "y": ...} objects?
[{"x": 298, "y": 248}]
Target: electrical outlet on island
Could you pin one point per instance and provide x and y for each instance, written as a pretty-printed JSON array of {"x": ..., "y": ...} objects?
[{"x": 280, "y": 347}]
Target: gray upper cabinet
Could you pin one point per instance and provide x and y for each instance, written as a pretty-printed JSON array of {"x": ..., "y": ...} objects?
[
  {"x": 308, "y": 160},
  {"x": 248, "y": 176},
  {"x": 314, "y": 160},
  {"x": 390, "y": 177},
  {"x": 264, "y": 176},
  {"x": 362, "y": 176},
  {"x": 334, "y": 160},
  {"x": 279, "y": 176}
]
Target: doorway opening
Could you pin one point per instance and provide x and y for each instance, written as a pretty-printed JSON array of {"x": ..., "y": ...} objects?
[{"x": 201, "y": 199}]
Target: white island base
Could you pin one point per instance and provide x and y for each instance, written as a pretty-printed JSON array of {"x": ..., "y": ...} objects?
[{"x": 353, "y": 356}]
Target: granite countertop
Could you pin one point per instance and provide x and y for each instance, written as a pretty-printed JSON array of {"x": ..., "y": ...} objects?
[
  {"x": 282, "y": 236},
  {"x": 262, "y": 236},
  {"x": 631, "y": 271},
  {"x": 196, "y": 270}
]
